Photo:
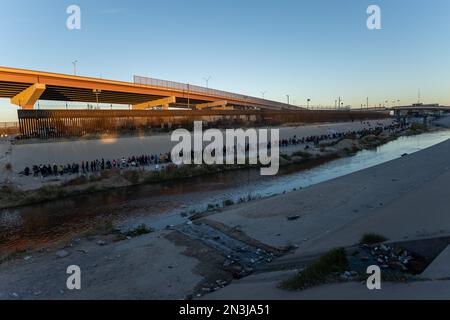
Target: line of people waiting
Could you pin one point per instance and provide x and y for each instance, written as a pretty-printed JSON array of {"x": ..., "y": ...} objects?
[
  {"x": 96, "y": 165},
  {"x": 165, "y": 158},
  {"x": 316, "y": 139}
]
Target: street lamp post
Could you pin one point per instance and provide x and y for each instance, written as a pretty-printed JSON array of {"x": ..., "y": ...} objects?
[
  {"x": 263, "y": 93},
  {"x": 75, "y": 67},
  {"x": 288, "y": 102},
  {"x": 207, "y": 81},
  {"x": 97, "y": 92},
  {"x": 189, "y": 100},
  {"x": 307, "y": 102}
]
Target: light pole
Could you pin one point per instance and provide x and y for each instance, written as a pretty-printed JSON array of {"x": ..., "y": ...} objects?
[
  {"x": 97, "y": 92},
  {"x": 75, "y": 67},
  {"x": 288, "y": 102},
  {"x": 307, "y": 103},
  {"x": 263, "y": 93},
  {"x": 189, "y": 100},
  {"x": 207, "y": 81}
]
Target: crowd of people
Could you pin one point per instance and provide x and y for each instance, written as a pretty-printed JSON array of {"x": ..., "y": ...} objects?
[
  {"x": 369, "y": 129},
  {"x": 96, "y": 166}
]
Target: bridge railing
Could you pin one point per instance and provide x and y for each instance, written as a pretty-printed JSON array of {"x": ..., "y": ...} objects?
[{"x": 188, "y": 88}]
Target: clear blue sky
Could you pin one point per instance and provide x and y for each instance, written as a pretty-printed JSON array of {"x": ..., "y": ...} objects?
[{"x": 318, "y": 49}]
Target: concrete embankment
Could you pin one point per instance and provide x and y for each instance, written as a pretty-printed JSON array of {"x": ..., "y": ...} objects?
[{"x": 403, "y": 199}]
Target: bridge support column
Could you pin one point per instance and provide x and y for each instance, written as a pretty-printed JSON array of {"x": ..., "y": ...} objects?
[
  {"x": 28, "y": 97},
  {"x": 164, "y": 103},
  {"x": 214, "y": 104}
]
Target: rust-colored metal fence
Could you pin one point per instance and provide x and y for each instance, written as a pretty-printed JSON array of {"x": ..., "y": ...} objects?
[{"x": 47, "y": 124}]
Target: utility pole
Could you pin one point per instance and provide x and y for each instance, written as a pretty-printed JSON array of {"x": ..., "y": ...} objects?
[
  {"x": 288, "y": 102},
  {"x": 367, "y": 102}
]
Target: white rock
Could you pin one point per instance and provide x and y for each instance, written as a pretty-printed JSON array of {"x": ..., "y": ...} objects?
[{"x": 62, "y": 254}]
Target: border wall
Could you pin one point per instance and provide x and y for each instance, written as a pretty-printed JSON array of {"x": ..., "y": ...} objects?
[{"x": 50, "y": 124}]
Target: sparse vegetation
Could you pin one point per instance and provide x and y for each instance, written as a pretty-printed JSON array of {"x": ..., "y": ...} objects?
[
  {"x": 106, "y": 229},
  {"x": 139, "y": 231},
  {"x": 248, "y": 198},
  {"x": 319, "y": 271},
  {"x": 286, "y": 157},
  {"x": 303, "y": 154},
  {"x": 228, "y": 203},
  {"x": 11, "y": 256},
  {"x": 132, "y": 176},
  {"x": 372, "y": 238},
  {"x": 417, "y": 128}
]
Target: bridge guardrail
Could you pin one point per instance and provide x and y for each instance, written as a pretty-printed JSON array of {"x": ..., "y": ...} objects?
[{"x": 207, "y": 91}]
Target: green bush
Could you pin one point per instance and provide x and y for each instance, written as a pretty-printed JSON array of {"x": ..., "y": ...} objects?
[
  {"x": 140, "y": 230},
  {"x": 318, "y": 272},
  {"x": 228, "y": 203}
]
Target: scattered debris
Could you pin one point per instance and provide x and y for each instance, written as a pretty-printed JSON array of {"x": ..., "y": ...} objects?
[
  {"x": 293, "y": 218},
  {"x": 62, "y": 254},
  {"x": 101, "y": 242},
  {"x": 389, "y": 257},
  {"x": 241, "y": 258}
]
